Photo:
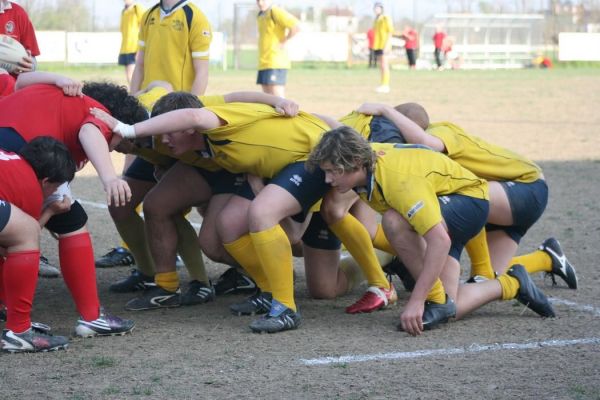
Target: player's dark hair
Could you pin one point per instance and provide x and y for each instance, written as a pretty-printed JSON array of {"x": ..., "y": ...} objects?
[
  {"x": 117, "y": 100},
  {"x": 176, "y": 101},
  {"x": 50, "y": 159}
]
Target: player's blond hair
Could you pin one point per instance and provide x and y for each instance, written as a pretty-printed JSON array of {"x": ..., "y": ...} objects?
[{"x": 344, "y": 148}]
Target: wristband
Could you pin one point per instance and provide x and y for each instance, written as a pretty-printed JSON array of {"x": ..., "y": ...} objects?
[{"x": 126, "y": 131}]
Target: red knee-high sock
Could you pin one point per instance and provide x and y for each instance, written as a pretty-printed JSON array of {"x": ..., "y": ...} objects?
[
  {"x": 79, "y": 272},
  {"x": 20, "y": 273}
]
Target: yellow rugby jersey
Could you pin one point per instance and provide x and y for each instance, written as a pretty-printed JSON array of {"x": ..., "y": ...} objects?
[
  {"x": 486, "y": 160},
  {"x": 383, "y": 28},
  {"x": 171, "y": 41},
  {"x": 409, "y": 179},
  {"x": 131, "y": 19},
  {"x": 361, "y": 123},
  {"x": 256, "y": 139},
  {"x": 272, "y": 26}
]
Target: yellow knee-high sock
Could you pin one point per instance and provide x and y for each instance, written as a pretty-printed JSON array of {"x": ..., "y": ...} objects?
[
  {"x": 510, "y": 286},
  {"x": 132, "y": 231},
  {"x": 242, "y": 250},
  {"x": 538, "y": 261},
  {"x": 385, "y": 78},
  {"x": 275, "y": 254},
  {"x": 479, "y": 253},
  {"x": 189, "y": 249},
  {"x": 380, "y": 241},
  {"x": 357, "y": 240},
  {"x": 437, "y": 294},
  {"x": 167, "y": 280}
]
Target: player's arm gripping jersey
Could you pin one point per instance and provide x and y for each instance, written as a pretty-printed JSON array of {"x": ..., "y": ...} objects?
[
  {"x": 257, "y": 139},
  {"x": 383, "y": 31},
  {"x": 410, "y": 178},
  {"x": 272, "y": 27},
  {"x": 486, "y": 160},
  {"x": 171, "y": 42}
]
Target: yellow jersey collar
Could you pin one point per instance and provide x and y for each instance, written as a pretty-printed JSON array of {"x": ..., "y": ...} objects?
[{"x": 166, "y": 12}]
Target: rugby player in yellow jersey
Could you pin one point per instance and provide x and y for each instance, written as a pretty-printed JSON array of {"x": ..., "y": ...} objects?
[
  {"x": 163, "y": 208},
  {"x": 275, "y": 27},
  {"x": 131, "y": 19},
  {"x": 248, "y": 138},
  {"x": 431, "y": 206},
  {"x": 174, "y": 42},
  {"x": 382, "y": 45},
  {"x": 518, "y": 194}
]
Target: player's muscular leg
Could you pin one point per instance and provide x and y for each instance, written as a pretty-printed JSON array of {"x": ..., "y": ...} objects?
[
  {"x": 500, "y": 211},
  {"x": 270, "y": 206},
  {"x": 336, "y": 205},
  {"x": 209, "y": 237},
  {"x": 21, "y": 233},
  {"x": 409, "y": 246},
  {"x": 180, "y": 188},
  {"x": 502, "y": 250},
  {"x": 232, "y": 220}
]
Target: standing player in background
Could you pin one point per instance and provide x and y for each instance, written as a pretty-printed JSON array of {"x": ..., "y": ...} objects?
[
  {"x": 370, "y": 42},
  {"x": 411, "y": 38},
  {"x": 275, "y": 27},
  {"x": 383, "y": 33},
  {"x": 174, "y": 42},
  {"x": 131, "y": 19},
  {"x": 438, "y": 44},
  {"x": 174, "y": 45}
]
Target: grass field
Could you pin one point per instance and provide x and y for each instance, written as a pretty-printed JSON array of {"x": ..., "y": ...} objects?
[{"x": 501, "y": 351}]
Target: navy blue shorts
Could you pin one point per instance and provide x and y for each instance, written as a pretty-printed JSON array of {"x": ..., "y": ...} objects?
[
  {"x": 10, "y": 140},
  {"x": 527, "y": 203},
  {"x": 4, "y": 213},
  {"x": 126, "y": 59},
  {"x": 306, "y": 187},
  {"x": 141, "y": 170},
  {"x": 378, "y": 52},
  {"x": 465, "y": 217},
  {"x": 319, "y": 236},
  {"x": 271, "y": 77},
  {"x": 384, "y": 131},
  {"x": 223, "y": 182}
]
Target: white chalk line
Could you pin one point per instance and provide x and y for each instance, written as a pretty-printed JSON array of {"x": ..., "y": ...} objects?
[
  {"x": 473, "y": 348},
  {"x": 105, "y": 207},
  {"x": 579, "y": 307}
]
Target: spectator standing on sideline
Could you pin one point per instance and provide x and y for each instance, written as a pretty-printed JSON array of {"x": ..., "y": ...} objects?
[
  {"x": 411, "y": 37},
  {"x": 371, "y": 41},
  {"x": 438, "y": 43},
  {"x": 131, "y": 19},
  {"x": 275, "y": 27},
  {"x": 382, "y": 44}
]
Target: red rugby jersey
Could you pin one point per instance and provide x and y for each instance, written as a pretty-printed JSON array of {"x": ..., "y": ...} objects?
[{"x": 19, "y": 185}]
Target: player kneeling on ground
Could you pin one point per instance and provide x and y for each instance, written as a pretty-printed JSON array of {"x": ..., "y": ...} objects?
[
  {"x": 431, "y": 207},
  {"x": 26, "y": 180}
]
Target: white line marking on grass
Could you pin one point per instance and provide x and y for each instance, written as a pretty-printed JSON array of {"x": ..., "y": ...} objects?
[
  {"x": 576, "y": 306},
  {"x": 474, "y": 348},
  {"x": 105, "y": 207}
]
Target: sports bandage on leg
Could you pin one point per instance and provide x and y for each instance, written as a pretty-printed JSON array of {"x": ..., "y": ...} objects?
[{"x": 126, "y": 131}]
